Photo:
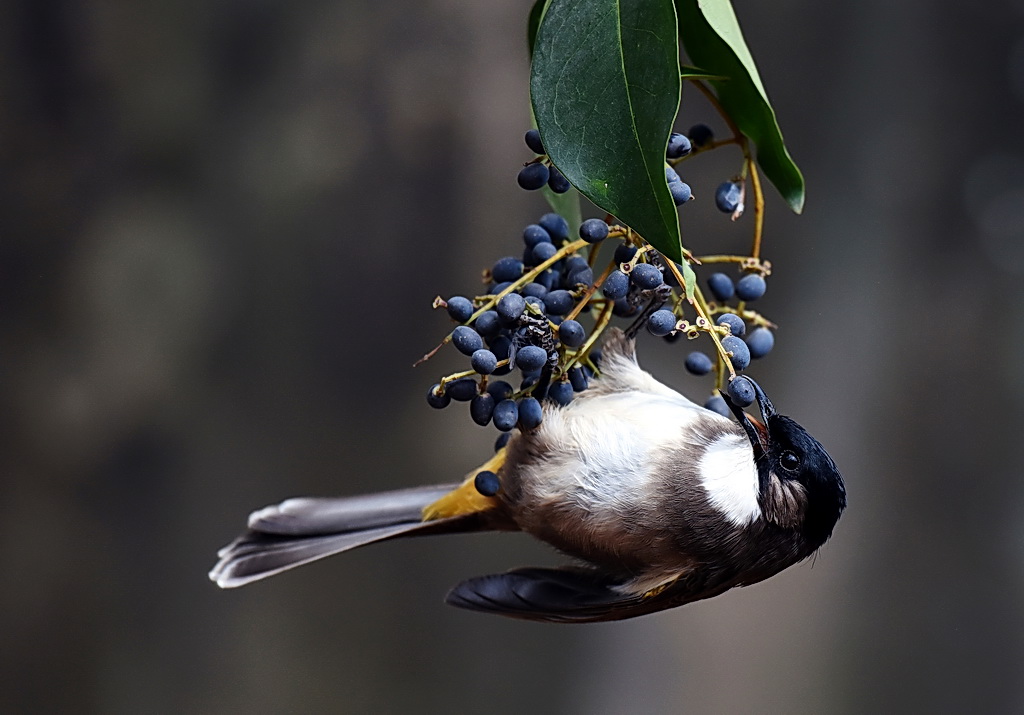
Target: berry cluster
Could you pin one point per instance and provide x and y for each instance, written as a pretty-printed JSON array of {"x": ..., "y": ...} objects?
[{"x": 530, "y": 333}]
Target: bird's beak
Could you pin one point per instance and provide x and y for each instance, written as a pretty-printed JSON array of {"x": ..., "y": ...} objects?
[{"x": 757, "y": 432}]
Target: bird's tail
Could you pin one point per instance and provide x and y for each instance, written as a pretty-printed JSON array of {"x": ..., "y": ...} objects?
[{"x": 298, "y": 531}]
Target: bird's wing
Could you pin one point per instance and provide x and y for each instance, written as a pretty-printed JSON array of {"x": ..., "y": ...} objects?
[{"x": 567, "y": 595}]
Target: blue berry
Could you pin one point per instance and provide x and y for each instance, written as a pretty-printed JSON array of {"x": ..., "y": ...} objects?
[
  {"x": 501, "y": 346},
  {"x": 466, "y": 340},
  {"x": 678, "y": 146},
  {"x": 593, "y": 230},
  {"x": 558, "y": 302},
  {"x": 616, "y": 285},
  {"x": 671, "y": 176},
  {"x": 715, "y": 403},
  {"x": 510, "y": 307},
  {"x": 575, "y": 263},
  {"x": 721, "y": 286},
  {"x": 534, "y": 290},
  {"x": 499, "y": 287},
  {"x": 557, "y": 181},
  {"x": 646, "y": 276},
  {"x": 487, "y": 324},
  {"x": 533, "y": 176},
  {"x": 542, "y": 252},
  {"x": 502, "y": 440},
  {"x": 697, "y": 363},
  {"x": 548, "y": 278},
  {"x": 555, "y": 225},
  {"x": 760, "y": 341},
  {"x": 536, "y": 302},
  {"x": 578, "y": 379},
  {"x": 681, "y": 192},
  {"x": 436, "y": 398},
  {"x": 622, "y": 309},
  {"x": 499, "y": 390},
  {"x": 571, "y": 333},
  {"x": 531, "y": 414},
  {"x": 483, "y": 361},
  {"x": 481, "y": 408},
  {"x": 460, "y": 309},
  {"x": 560, "y": 393},
  {"x": 741, "y": 391},
  {"x": 584, "y": 276},
  {"x": 750, "y": 287},
  {"x": 700, "y": 134},
  {"x": 624, "y": 253},
  {"x": 740, "y": 351},
  {"x": 735, "y": 323},
  {"x": 661, "y": 322},
  {"x": 727, "y": 196},
  {"x": 507, "y": 269},
  {"x": 487, "y": 483},
  {"x": 505, "y": 415},
  {"x": 462, "y": 390},
  {"x": 531, "y": 357},
  {"x": 534, "y": 234},
  {"x": 533, "y": 141}
]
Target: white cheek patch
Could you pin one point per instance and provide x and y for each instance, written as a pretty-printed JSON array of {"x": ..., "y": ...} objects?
[{"x": 729, "y": 476}]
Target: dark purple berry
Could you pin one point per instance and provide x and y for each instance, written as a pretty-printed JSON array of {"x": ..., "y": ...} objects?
[
  {"x": 741, "y": 391},
  {"x": 481, "y": 408},
  {"x": 578, "y": 379},
  {"x": 721, "y": 286},
  {"x": 460, "y": 309},
  {"x": 735, "y": 323},
  {"x": 571, "y": 333},
  {"x": 531, "y": 414},
  {"x": 487, "y": 483},
  {"x": 678, "y": 146},
  {"x": 623, "y": 309},
  {"x": 700, "y": 134},
  {"x": 510, "y": 307},
  {"x": 534, "y": 290},
  {"x": 661, "y": 322},
  {"x": 558, "y": 302},
  {"x": 534, "y": 234},
  {"x": 715, "y": 403},
  {"x": 616, "y": 285},
  {"x": 593, "y": 230},
  {"x": 680, "y": 192},
  {"x": 505, "y": 415},
  {"x": 560, "y": 393},
  {"x": 462, "y": 390},
  {"x": 624, "y": 253},
  {"x": 760, "y": 341},
  {"x": 533, "y": 141},
  {"x": 507, "y": 269},
  {"x": 557, "y": 181},
  {"x": 727, "y": 197},
  {"x": 542, "y": 252},
  {"x": 500, "y": 345},
  {"x": 466, "y": 340},
  {"x": 646, "y": 276},
  {"x": 437, "y": 399},
  {"x": 499, "y": 287},
  {"x": 697, "y": 363},
  {"x": 750, "y": 287},
  {"x": 740, "y": 351},
  {"x": 531, "y": 357},
  {"x": 533, "y": 176},
  {"x": 580, "y": 276},
  {"x": 555, "y": 225},
  {"x": 487, "y": 324},
  {"x": 502, "y": 440},
  {"x": 483, "y": 361}
]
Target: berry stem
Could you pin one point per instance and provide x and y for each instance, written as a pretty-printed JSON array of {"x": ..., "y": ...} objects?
[
  {"x": 701, "y": 307},
  {"x": 755, "y": 184}
]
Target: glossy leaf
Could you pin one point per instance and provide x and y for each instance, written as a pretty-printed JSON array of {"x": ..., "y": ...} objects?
[
  {"x": 714, "y": 42},
  {"x": 533, "y": 22},
  {"x": 605, "y": 84}
]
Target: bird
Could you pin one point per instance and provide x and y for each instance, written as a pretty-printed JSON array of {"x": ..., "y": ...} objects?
[{"x": 659, "y": 502}]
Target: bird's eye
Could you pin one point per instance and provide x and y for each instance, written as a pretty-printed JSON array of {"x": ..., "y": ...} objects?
[{"x": 789, "y": 461}]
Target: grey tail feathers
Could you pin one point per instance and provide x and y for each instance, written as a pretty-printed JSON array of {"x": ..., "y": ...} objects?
[{"x": 298, "y": 531}]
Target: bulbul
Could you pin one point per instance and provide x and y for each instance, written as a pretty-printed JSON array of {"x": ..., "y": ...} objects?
[{"x": 660, "y": 501}]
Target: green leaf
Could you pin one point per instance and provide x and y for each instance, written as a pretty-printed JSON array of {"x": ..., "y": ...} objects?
[
  {"x": 714, "y": 42},
  {"x": 689, "y": 280},
  {"x": 687, "y": 72},
  {"x": 533, "y": 22},
  {"x": 605, "y": 84}
]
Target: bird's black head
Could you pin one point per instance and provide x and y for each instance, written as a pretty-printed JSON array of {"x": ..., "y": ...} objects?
[{"x": 785, "y": 452}]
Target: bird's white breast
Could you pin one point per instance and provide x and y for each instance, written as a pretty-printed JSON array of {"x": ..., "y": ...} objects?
[{"x": 729, "y": 476}]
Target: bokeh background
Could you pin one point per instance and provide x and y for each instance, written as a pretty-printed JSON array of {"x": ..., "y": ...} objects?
[{"x": 221, "y": 227}]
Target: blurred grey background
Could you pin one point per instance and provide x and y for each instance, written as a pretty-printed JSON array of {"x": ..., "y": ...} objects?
[{"x": 221, "y": 227}]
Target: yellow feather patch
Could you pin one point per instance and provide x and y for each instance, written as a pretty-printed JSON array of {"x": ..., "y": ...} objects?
[{"x": 465, "y": 499}]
